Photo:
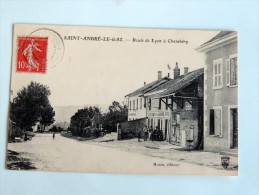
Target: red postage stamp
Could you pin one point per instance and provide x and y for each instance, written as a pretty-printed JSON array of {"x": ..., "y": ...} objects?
[{"x": 32, "y": 54}]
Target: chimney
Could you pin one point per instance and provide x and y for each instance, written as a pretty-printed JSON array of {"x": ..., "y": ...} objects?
[
  {"x": 186, "y": 70},
  {"x": 159, "y": 75},
  {"x": 145, "y": 83},
  {"x": 176, "y": 71}
]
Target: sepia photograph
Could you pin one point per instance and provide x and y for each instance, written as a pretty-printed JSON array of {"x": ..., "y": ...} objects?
[{"x": 123, "y": 100}]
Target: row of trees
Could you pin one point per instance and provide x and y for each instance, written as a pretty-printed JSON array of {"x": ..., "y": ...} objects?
[
  {"x": 85, "y": 117},
  {"x": 32, "y": 106}
]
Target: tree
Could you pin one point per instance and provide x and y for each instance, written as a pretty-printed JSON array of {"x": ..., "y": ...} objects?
[
  {"x": 117, "y": 113},
  {"x": 82, "y": 119},
  {"x": 31, "y": 105}
]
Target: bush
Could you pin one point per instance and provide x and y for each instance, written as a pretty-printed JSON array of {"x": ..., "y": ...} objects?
[{"x": 56, "y": 129}]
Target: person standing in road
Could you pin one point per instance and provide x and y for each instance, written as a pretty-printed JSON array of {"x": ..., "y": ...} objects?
[
  {"x": 150, "y": 131},
  {"x": 53, "y": 136},
  {"x": 145, "y": 130},
  {"x": 139, "y": 135},
  {"x": 119, "y": 132}
]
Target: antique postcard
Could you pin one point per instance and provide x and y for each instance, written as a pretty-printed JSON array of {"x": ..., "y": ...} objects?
[{"x": 123, "y": 100}]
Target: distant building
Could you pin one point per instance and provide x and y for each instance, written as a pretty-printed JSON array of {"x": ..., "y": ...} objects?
[{"x": 220, "y": 89}]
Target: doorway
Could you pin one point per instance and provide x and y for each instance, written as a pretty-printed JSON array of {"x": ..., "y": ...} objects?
[
  {"x": 176, "y": 128},
  {"x": 166, "y": 123},
  {"x": 234, "y": 126}
]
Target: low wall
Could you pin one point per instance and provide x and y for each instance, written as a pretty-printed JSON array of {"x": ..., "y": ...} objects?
[{"x": 130, "y": 129}]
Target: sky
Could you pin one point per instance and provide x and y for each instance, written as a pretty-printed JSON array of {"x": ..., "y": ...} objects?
[{"x": 99, "y": 72}]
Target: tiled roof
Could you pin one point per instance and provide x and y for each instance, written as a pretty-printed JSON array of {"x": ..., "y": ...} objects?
[
  {"x": 148, "y": 87},
  {"x": 219, "y": 36},
  {"x": 161, "y": 88},
  {"x": 180, "y": 83}
]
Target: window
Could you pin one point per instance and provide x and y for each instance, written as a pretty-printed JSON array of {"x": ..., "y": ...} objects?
[
  {"x": 133, "y": 104},
  {"x": 215, "y": 122},
  {"x": 217, "y": 74},
  {"x": 130, "y": 105},
  {"x": 231, "y": 71},
  {"x": 137, "y": 104},
  {"x": 166, "y": 103},
  {"x": 159, "y": 106},
  {"x": 140, "y": 103},
  {"x": 149, "y": 103}
]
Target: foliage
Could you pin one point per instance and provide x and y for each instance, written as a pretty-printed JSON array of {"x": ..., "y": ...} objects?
[
  {"x": 83, "y": 118},
  {"x": 31, "y": 105},
  {"x": 56, "y": 129},
  {"x": 117, "y": 113}
]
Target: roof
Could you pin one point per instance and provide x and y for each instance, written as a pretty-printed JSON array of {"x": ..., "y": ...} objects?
[
  {"x": 161, "y": 88},
  {"x": 222, "y": 38},
  {"x": 219, "y": 36},
  {"x": 180, "y": 83},
  {"x": 148, "y": 86}
]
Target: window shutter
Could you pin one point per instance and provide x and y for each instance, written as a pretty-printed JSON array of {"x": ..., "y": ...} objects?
[
  {"x": 215, "y": 81},
  {"x": 233, "y": 71},
  {"x": 217, "y": 121},
  {"x": 219, "y": 74},
  {"x": 228, "y": 72},
  {"x": 236, "y": 71}
]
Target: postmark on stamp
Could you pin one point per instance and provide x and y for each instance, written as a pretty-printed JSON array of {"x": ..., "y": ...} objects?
[
  {"x": 39, "y": 51},
  {"x": 32, "y": 54}
]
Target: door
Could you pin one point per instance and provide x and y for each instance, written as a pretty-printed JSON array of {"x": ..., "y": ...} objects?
[
  {"x": 176, "y": 127},
  {"x": 166, "y": 123},
  {"x": 183, "y": 142},
  {"x": 234, "y": 116}
]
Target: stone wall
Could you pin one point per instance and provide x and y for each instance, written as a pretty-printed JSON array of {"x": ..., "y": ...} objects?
[{"x": 130, "y": 129}]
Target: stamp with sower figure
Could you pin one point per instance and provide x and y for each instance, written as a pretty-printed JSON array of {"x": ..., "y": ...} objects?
[{"x": 32, "y": 54}]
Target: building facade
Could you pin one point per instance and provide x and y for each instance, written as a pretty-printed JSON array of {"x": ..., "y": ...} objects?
[
  {"x": 184, "y": 97},
  {"x": 174, "y": 106},
  {"x": 137, "y": 103},
  {"x": 221, "y": 91}
]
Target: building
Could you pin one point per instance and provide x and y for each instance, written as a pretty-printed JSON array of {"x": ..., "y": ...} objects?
[
  {"x": 174, "y": 106},
  {"x": 158, "y": 113},
  {"x": 220, "y": 89},
  {"x": 184, "y": 98},
  {"x": 136, "y": 101}
]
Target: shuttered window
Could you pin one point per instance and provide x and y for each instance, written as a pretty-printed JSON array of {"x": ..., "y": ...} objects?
[
  {"x": 228, "y": 72},
  {"x": 231, "y": 71},
  {"x": 217, "y": 73}
]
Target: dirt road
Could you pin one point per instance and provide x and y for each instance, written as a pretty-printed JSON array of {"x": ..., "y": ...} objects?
[{"x": 69, "y": 155}]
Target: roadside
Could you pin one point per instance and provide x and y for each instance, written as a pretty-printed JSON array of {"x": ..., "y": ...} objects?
[
  {"x": 163, "y": 150},
  {"x": 15, "y": 161}
]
